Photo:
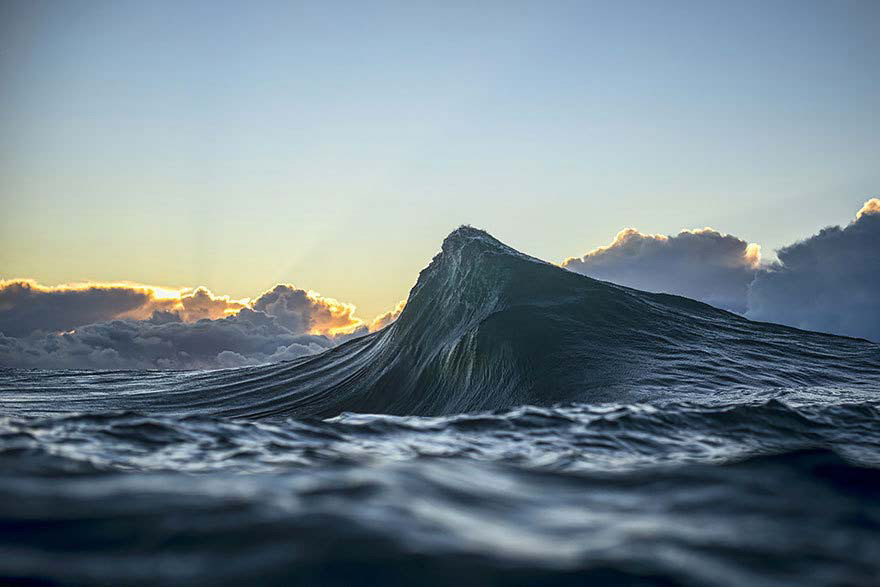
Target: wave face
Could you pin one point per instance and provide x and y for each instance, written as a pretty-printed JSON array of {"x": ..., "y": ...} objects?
[
  {"x": 487, "y": 327},
  {"x": 517, "y": 425}
]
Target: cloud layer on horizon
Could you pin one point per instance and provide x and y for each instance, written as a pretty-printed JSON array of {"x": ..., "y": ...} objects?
[
  {"x": 164, "y": 342},
  {"x": 124, "y": 326},
  {"x": 828, "y": 282},
  {"x": 701, "y": 264}
]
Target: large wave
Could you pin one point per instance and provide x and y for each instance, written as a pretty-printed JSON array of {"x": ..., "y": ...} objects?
[{"x": 487, "y": 327}]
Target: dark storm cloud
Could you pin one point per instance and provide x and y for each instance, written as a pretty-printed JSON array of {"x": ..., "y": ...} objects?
[
  {"x": 829, "y": 282},
  {"x": 701, "y": 264}
]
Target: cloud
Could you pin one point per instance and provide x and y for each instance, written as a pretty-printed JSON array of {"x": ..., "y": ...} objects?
[
  {"x": 199, "y": 304},
  {"x": 872, "y": 206},
  {"x": 383, "y": 320},
  {"x": 828, "y": 282},
  {"x": 26, "y": 306},
  {"x": 306, "y": 311},
  {"x": 165, "y": 342},
  {"x": 703, "y": 264},
  {"x": 132, "y": 326}
]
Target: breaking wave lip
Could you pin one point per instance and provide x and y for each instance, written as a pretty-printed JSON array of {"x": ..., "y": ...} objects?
[{"x": 486, "y": 327}]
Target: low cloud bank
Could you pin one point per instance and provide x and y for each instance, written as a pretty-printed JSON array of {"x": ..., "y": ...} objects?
[
  {"x": 26, "y": 306},
  {"x": 164, "y": 342},
  {"x": 829, "y": 282},
  {"x": 122, "y": 326},
  {"x": 306, "y": 311},
  {"x": 701, "y": 264}
]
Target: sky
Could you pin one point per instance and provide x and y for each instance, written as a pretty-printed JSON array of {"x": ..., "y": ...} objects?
[{"x": 332, "y": 145}]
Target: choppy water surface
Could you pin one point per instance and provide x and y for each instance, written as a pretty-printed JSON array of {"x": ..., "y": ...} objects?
[{"x": 763, "y": 491}]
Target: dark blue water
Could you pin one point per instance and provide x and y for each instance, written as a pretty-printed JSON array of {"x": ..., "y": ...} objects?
[
  {"x": 518, "y": 424},
  {"x": 766, "y": 491}
]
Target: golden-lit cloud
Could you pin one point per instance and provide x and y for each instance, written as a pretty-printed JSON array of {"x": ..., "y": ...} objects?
[
  {"x": 134, "y": 326},
  {"x": 332, "y": 316},
  {"x": 300, "y": 310},
  {"x": 136, "y": 301},
  {"x": 753, "y": 255},
  {"x": 620, "y": 239},
  {"x": 84, "y": 286},
  {"x": 27, "y": 306},
  {"x": 383, "y": 320},
  {"x": 191, "y": 305},
  {"x": 872, "y": 206}
]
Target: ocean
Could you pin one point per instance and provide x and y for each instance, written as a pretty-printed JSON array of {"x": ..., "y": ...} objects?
[{"x": 517, "y": 425}]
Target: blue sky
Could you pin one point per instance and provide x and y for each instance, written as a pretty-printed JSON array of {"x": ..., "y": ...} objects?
[{"x": 333, "y": 145}]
